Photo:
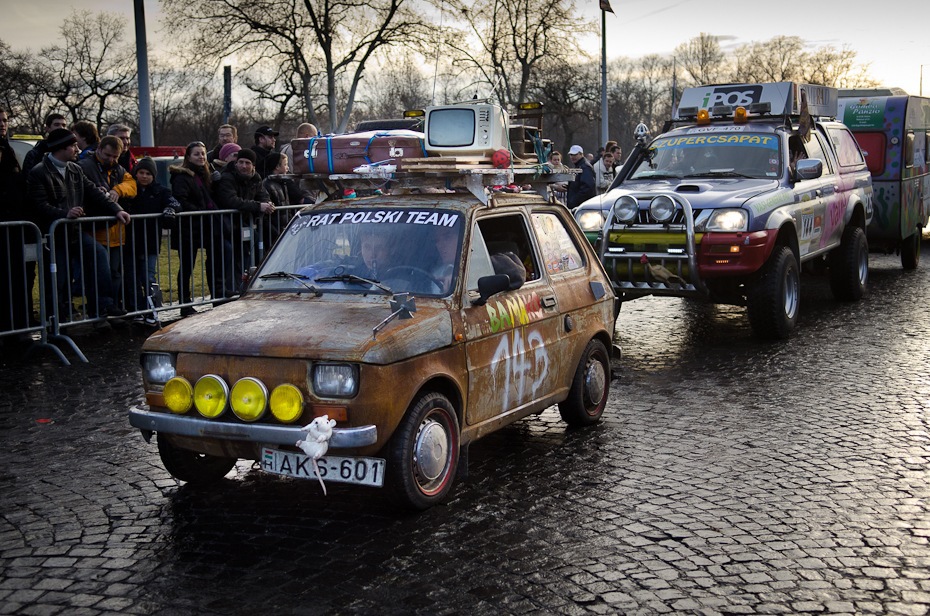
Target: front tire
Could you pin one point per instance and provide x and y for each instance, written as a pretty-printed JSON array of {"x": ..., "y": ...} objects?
[
  {"x": 192, "y": 467},
  {"x": 590, "y": 385},
  {"x": 849, "y": 266},
  {"x": 424, "y": 452},
  {"x": 910, "y": 251},
  {"x": 774, "y": 301}
]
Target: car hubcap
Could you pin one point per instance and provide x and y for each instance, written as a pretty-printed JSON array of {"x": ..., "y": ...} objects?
[
  {"x": 431, "y": 451},
  {"x": 864, "y": 267},
  {"x": 595, "y": 378},
  {"x": 791, "y": 294}
]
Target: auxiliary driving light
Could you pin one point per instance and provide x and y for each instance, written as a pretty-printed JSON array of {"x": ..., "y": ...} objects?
[
  {"x": 626, "y": 209},
  {"x": 210, "y": 395},
  {"x": 662, "y": 208},
  {"x": 249, "y": 399},
  {"x": 287, "y": 403},
  {"x": 178, "y": 394}
]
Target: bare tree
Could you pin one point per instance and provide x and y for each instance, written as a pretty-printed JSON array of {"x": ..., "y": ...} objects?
[
  {"x": 332, "y": 38},
  {"x": 836, "y": 67},
  {"x": 701, "y": 59},
  {"x": 22, "y": 90},
  {"x": 397, "y": 86},
  {"x": 570, "y": 94},
  {"x": 93, "y": 67},
  {"x": 513, "y": 38}
]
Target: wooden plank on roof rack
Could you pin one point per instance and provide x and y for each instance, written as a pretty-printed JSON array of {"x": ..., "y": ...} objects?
[{"x": 445, "y": 159}]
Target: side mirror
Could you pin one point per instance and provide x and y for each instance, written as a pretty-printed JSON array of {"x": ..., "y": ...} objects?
[
  {"x": 491, "y": 285},
  {"x": 809, "y": 169},
  {"x": 247, "y": 278}
]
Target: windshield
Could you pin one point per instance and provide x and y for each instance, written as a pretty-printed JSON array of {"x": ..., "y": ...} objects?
[
  {"x": 371, "y": 250},
  {"x": 712, "y": 154}
]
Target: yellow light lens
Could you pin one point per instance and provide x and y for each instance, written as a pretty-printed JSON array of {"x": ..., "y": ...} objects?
[
  {"x": 179, "y": 395},
  {"x": 249, "y": 399},
  {"x": 287, "y": 403},
  {"x": 210, "y": 396},
  {"x": 739, "y": 116},
  {"x": 703, "y": 117}
]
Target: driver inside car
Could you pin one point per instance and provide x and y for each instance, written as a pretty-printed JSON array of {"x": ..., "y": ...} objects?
[{"x": 377, "y": 254}]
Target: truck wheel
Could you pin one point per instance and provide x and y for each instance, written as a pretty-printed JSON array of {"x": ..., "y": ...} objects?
[
  {"x": 424, "y": 452},
  {"x": 910, "y": 251},
  {"x": 192, "y": 467},
  {"x": 849, "y": 266},
  {"x": 775, "y": 298},
  {"x": 588, "y": 394}
]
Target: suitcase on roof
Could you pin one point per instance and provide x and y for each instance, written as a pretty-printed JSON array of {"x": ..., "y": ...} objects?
[{"x": 331, "y": 154}]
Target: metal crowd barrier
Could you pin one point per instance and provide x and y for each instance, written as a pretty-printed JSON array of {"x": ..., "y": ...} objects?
[{"x": 202, "y": 264}]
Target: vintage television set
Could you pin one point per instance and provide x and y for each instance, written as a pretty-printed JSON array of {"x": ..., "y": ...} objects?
[{"x": 466, "y": 130}]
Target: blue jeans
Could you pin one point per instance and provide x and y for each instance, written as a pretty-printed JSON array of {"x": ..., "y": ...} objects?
[{"x": 89, "y": 262}]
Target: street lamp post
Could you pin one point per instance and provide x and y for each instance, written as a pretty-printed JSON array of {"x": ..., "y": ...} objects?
[
  {"x": 146, "y": 136},
  {"x": 922, "y": 79}
]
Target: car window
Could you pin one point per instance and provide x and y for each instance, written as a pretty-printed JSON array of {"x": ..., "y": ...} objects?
[
  {"x": 711, "y": 153},
  {"x": 847, "y": 151},
  {"x": 559, "y": 251},
  {"x": 508, "y": 234},
  {"x": 873, "y": 146},
  {"x": 406, "y": 250},
  {"x": 814, "y": 149},
  {"x": 479, "y": 261}
]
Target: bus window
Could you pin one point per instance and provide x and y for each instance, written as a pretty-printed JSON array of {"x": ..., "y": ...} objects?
[
  {"x": 873, "y": 146},
  {"x": 909, "y": 150}
]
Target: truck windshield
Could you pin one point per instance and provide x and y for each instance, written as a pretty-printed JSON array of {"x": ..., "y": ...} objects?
[
  {"x": 712, "y": 154},
  {"x": 372, "y": 250}
]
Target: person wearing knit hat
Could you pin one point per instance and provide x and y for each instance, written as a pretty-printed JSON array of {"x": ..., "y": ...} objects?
[
  {"x": 59, "y": 138},
  {"x": 246, "y": 155},
  {"x": 228, "y": 150},
  {"x": 143, "y": 237}
]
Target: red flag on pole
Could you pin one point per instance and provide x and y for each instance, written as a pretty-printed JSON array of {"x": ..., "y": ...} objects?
[{"x": 605, "y": 6}]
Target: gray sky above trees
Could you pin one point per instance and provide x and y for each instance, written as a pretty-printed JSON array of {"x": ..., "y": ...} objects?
[{"x": 890, "y": 36}]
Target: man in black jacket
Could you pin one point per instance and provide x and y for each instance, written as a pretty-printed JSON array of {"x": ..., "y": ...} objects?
[
  {"x": 57, "y": 189},
  {"x": 34, "y": 156},
  {"x": 582, "y": 187},
  {"x": 239, "y": 187},
  {"x": 265, "y": 140}
]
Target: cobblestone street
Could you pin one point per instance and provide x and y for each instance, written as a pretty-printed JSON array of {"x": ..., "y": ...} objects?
[{"x": 729, "y": 476}]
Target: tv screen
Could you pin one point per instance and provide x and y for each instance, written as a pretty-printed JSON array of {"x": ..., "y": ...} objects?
[{"x": 451, "y": 128}]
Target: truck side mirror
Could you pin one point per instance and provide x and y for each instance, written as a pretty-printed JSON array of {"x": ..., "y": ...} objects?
[{"x": 809, "y": 169}]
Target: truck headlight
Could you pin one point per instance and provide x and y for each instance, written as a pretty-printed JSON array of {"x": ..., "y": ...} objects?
[
  {"x": 626, "y": 209},
  {"x": 662, "y": 208},
  {"x": 158, "y": 368},
  {"x": 727, "y": 221},
  {"x": 591, "y": 220},
  {"x": 335, "y": 380}
]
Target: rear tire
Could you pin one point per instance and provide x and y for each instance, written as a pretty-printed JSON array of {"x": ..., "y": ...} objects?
[
  {"x": 773, "y": 302},
  {"x": 910, "y": 251},
  {"x": 192, "y": 467},
  {"x": 849, "y": 266},
  {"x": 590, "y": 385},
  {"x": 423, "y": 454}
]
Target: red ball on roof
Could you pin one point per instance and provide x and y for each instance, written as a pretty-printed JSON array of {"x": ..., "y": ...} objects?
[{"x": 501, "y": 159}]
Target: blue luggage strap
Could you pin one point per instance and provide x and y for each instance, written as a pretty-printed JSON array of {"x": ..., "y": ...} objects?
[{"x": 389, "y": 134}]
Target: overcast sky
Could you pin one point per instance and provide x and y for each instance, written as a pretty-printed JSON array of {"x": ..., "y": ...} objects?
[{"x": 892, "y": 35}]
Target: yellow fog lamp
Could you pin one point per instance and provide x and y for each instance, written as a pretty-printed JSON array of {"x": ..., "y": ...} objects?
[
  {"x": 210, "y": 396},
  {"x": 739, "y": 116},
  {"x": 178, "y": 395},
  {"x": 249, "y": 399},
  {"x": 287, "y": 403},
  {"x": 414, "y": 113},
  {"x": 703, "y": 117}
]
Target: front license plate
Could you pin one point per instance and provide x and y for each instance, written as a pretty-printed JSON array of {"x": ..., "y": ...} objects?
[{"x": 361, "y": 471}]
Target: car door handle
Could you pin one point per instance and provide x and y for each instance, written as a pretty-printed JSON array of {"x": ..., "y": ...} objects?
[
  {"x": 818, "y": 192},
  {"x": 548, "y": 302}
]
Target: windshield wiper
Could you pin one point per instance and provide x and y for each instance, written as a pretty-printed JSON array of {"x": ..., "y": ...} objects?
[
  {"x": 719, "y": 173},
  {"x": 659, "y": 175},
  {"x": 298, "y": 277},
  {"x": 353, "y": 278}
]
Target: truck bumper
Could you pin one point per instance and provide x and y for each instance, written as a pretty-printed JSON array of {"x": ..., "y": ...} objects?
[{"x": 734, "y": 254}]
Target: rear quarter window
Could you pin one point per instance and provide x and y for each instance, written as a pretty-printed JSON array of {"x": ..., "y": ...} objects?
[{"x": 847, "y": 150}]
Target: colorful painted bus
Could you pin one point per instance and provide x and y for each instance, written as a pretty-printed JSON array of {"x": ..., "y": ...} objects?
[{"x": 893, "y": 131}]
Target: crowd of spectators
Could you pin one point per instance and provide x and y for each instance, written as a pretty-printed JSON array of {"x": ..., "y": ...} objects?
[{"x": 110, "y": 267}]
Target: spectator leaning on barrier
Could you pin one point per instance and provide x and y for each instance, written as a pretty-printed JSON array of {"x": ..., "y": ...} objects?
[
  {"x": 304, "y": 131},
  {"x": 283, "y": 190},
  {"x": 124, "y": 134},
  {"x": 240, "y": 188},
  {"x": 57, "y": 189},
  {"x": 104, "y": 170},
  {"x": 191, "y": 184},
  {"x": 265, "y": 140},
  {"x": 87, "y": 137},
  {"x": 225, "y": 134},
  {"x": 34, "y": 156},
  {"x": 143, "y": 237}
]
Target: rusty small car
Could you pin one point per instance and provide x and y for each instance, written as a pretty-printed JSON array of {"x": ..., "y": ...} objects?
[{"x": 419, "y": 323}]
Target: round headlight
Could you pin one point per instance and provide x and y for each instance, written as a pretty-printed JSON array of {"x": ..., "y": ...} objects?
[
  {"x": 287, "y": 403},
  {"x": 179, "y": 395},
  {"x": 210, "y": 395},
  {"x": 249, "y": 399},
  {"x": 626, "y": 209},
  {"x": 591, "y": 220},
  {"x": 662, "y": 208}
]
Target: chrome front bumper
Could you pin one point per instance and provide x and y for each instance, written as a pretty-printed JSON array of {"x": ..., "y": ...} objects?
[{"x": 183, "y": 425}]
